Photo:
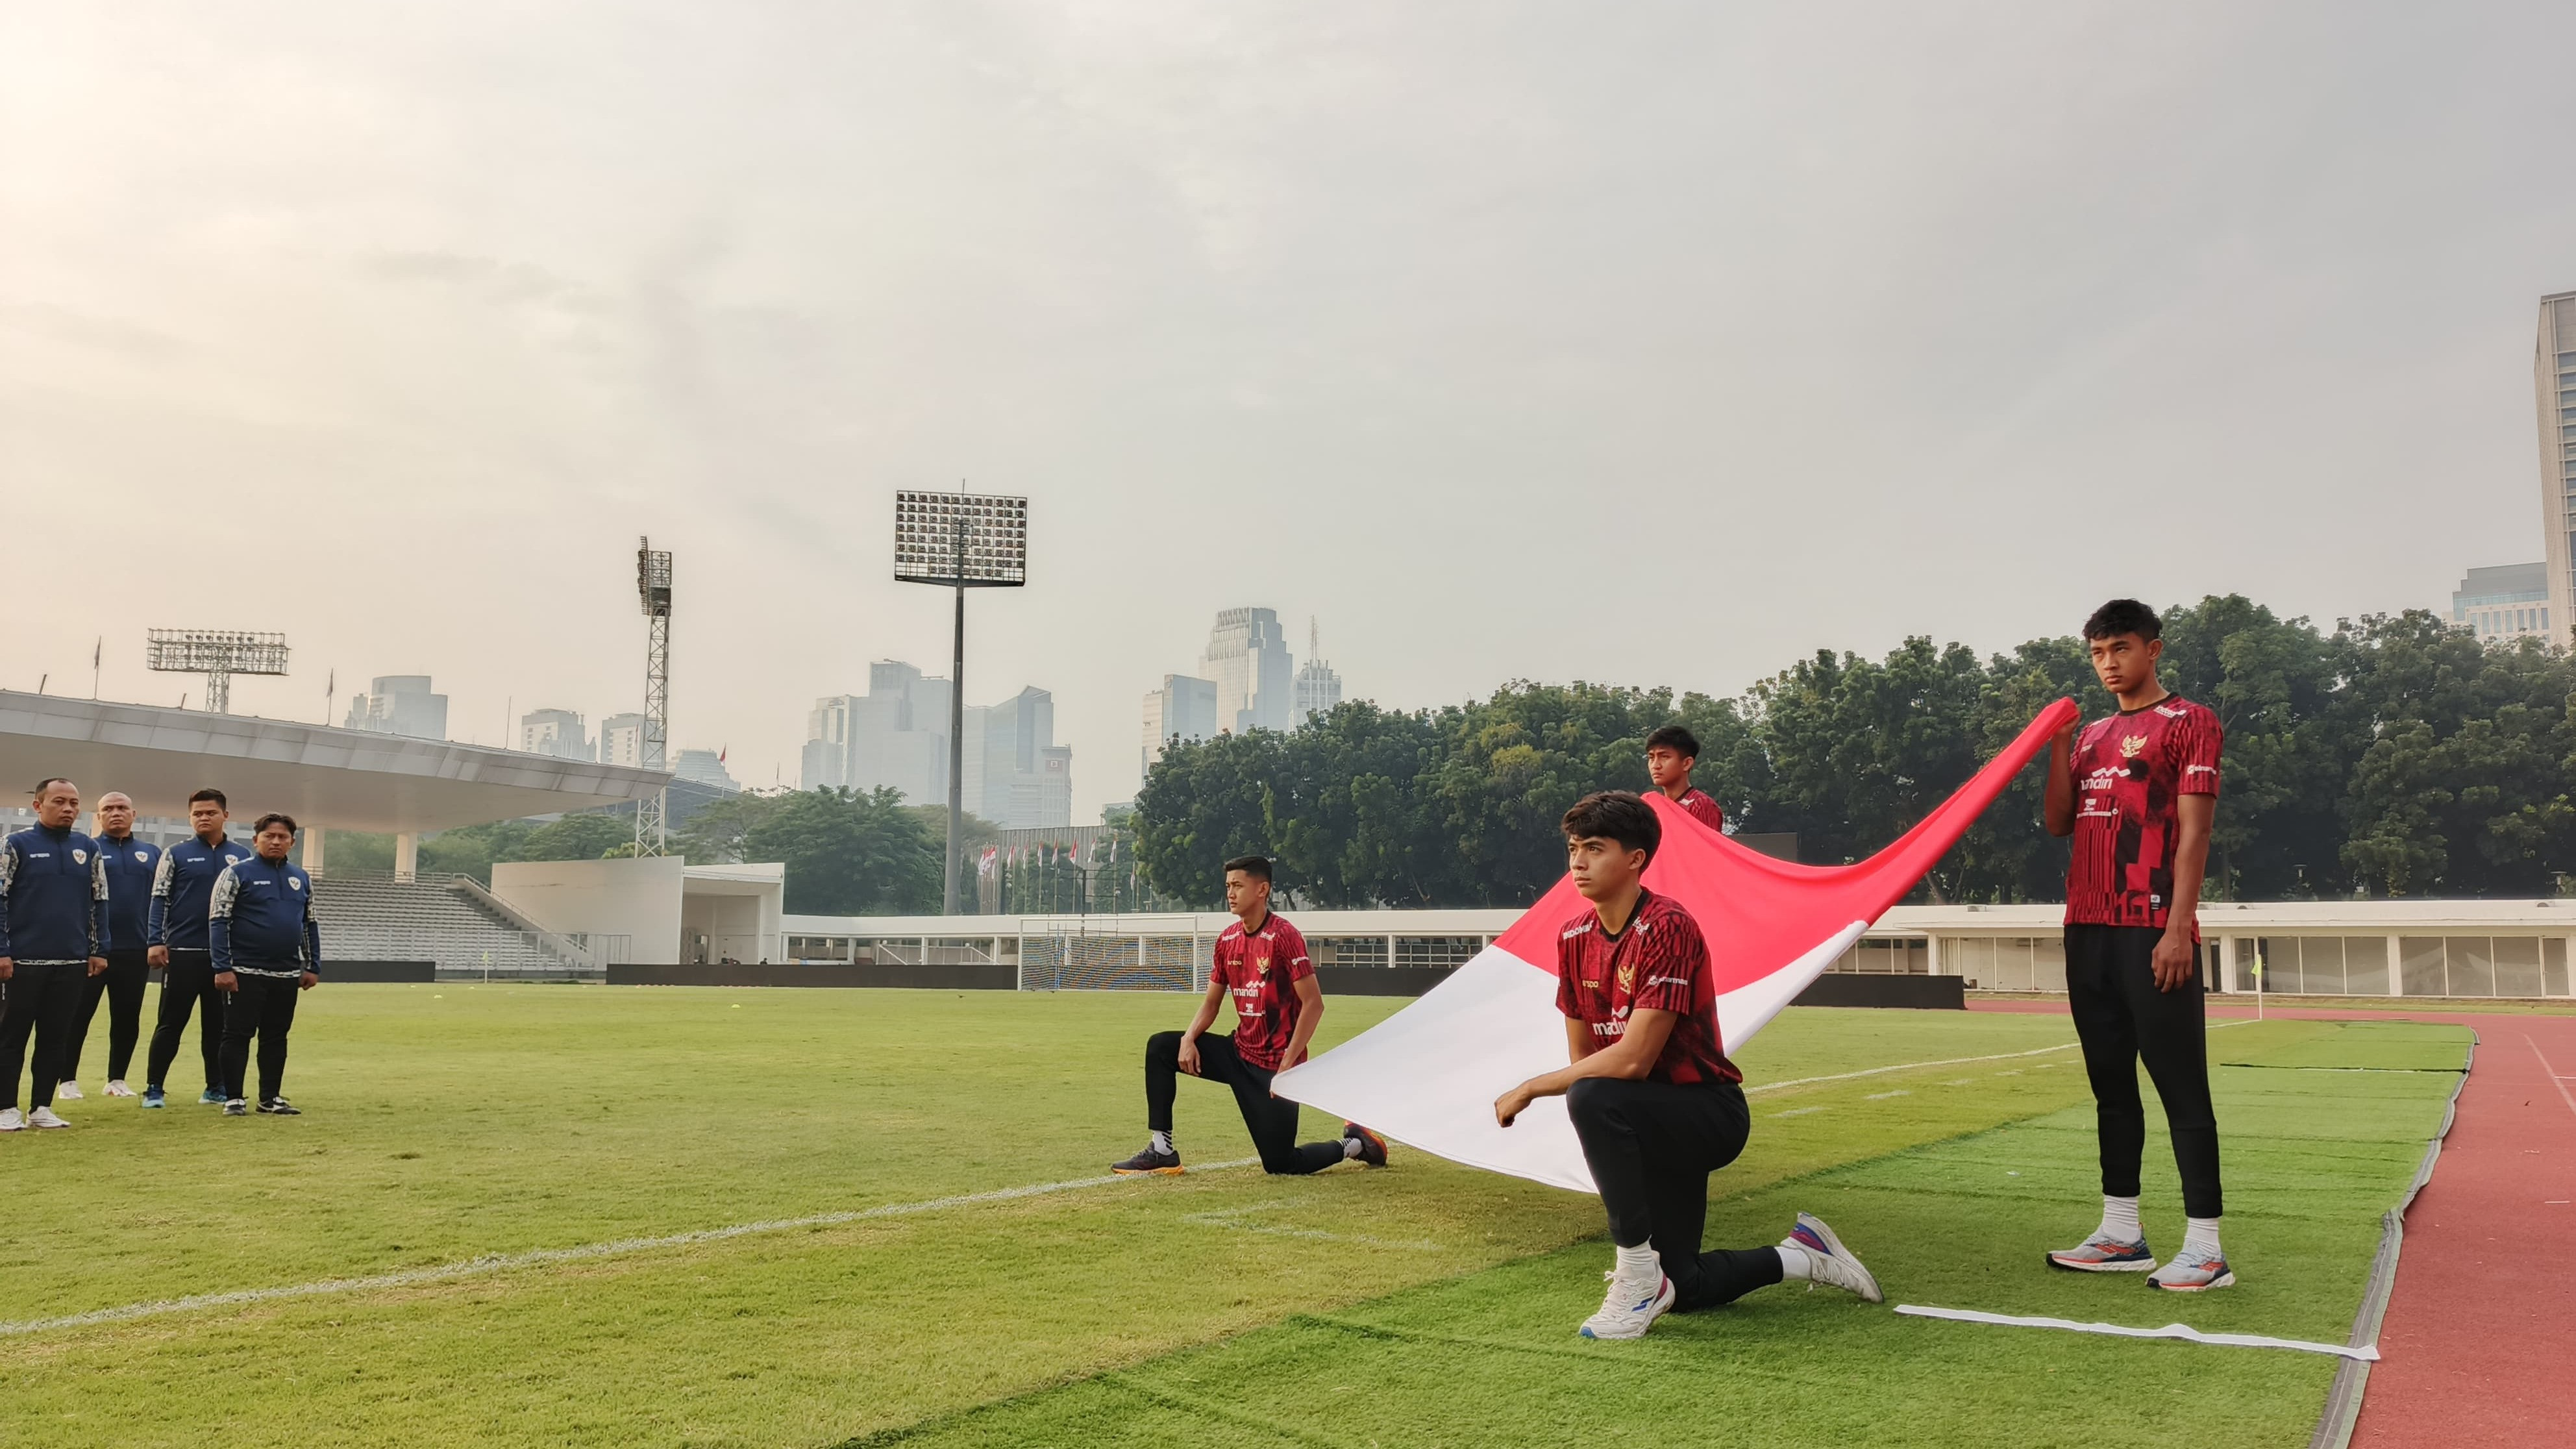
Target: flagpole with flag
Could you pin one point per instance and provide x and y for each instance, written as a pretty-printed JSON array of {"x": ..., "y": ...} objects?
[
  {"x": 97, "y": 653},
  {"x": 330, "y": 690}
]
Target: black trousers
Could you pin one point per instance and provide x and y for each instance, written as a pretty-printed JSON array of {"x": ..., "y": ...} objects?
[
  {"x": 262, "y": 1006},
  {"x": 1271, "y": 1120},
  {"x": 122, "y": 986},
  {"x": 188, "y": 985},
  {"x": 1652, "y": 1146},
  {"x": 44, "y": 1000},
  {"x": 2122, "y": 1019}
]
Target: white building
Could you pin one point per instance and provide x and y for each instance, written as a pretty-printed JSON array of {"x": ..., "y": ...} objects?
[
  {"x": 2553, "y": 384},
  {"x": 894, "y": 735},
  {"x": 1247, "y": 659},
  {"x": 621, "y": 740},
  {"x": 2508, "y": 602},
  {"x": 1318, "y": 689},
  {"x": 1184, "y": 708},
  {"x": 555, "y": 732},
  {"x": 400, "y": 704},
  {"x": 705, "y": 767}
]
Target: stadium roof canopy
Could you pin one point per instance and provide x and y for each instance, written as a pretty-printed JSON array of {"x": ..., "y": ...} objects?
[{"x": 343, "y": 779}]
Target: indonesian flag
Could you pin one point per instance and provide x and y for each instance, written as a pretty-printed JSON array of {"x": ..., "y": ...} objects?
[{"x": 1428, "y": 1075}]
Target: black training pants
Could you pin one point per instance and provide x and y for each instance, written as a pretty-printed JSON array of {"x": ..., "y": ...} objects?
[
  {"x": 1652, "y": 1146},
  {"x": 188, "y": 985},
  {"x": 44, "y": 1000},
  {"x": 262, "y": 1006},
  {"x": 1271, "y": 1120},
  {"x": 127, "y": 971},
  {"x": 2122, "y": 1019}
]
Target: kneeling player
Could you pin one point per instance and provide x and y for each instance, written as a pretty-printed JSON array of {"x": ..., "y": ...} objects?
[
  {"x": 1260, "y": 962},
  {"x": 1653, "y": 1097}
]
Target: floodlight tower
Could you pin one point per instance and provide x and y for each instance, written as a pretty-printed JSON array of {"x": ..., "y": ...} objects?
[
  {"x": 218, "y": 654},
  {"x": 653, "y": 588},
  {"x": 964, "y": 541}
]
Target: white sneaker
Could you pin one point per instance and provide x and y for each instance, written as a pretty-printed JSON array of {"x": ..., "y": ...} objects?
[
  {"x": 11, "y": 1120},
  {"x": 1629, "y": 1309},
  {"x": 1830, "y": 1262},
  {"x": 67, "y": 1091},
  {"x": 44, "y": 1117},
  {"x": 118, "y": 1088}
]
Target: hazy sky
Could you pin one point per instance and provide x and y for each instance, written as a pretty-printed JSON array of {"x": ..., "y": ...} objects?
[{"x": 1652, "y": 343}]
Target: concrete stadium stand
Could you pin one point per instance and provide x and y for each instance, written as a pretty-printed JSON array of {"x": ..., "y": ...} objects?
[{"x": 379, "y": 971}]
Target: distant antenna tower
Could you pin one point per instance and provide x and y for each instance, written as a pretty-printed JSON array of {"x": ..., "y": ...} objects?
[
  {"x": 218, "y": 654},
  {"x": 653, "y": 587}
]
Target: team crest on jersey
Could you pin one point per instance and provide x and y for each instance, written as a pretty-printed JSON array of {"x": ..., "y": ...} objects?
[
  {"x": 1628, "y": 979},
  {"x": 293, "y": 884},
  {"x": 1261, "y": 965},
  {"x": 80, "y": 857},
  {"x": 2131, "y": 746},
  {"x": 144, "y": 856}
]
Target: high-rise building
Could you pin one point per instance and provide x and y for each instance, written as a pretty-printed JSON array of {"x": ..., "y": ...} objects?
[
  {"x": 1016, "y": 775},
  {"x": 1184, "y": 708},
  {"x": 1247, "y": 659},
  {"x": 706, "y": 767},
  {"x": 2553, "y": 381},
  {"x": 894, "y": 735},
  {"x": 556, "y": 732},
  {"x": 621, "y": 740},
  {"x": 400, "y": 704},
  {"x": 2504, "y": 603},
  {"x": 1318, "y": 688}
]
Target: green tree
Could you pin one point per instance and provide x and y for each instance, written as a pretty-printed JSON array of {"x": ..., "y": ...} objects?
[{"x": 850, "y": 853}]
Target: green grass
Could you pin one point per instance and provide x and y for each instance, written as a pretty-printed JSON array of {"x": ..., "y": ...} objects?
[{"x": 1427, "y": 1304}]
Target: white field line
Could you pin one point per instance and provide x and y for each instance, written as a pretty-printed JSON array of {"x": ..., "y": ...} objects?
[
  {"x": 2555, "y": 1079},
  {"x": 1756, "y": 1091},
  {"x": 2366, "y": 1353},
  {"x": 1232, "y": 1220},
  {"x": 542, "y": 1257}
]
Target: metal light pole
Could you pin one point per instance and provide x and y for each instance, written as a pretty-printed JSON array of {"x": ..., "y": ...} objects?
[
  {"x": 963, "y": 541},
  {"x": 218, "y": 654}
]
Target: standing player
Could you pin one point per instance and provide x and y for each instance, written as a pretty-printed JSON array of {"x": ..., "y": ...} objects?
[
  {"x": 267, "y": 949},
  {"x": 1261, "y": 964},
  {"x": 1670, "y": 753},
  {"x": 1651, "y": 1093},
  {"x": 53, "y": 934},
  {"x": 131, "y": 864},
  {"x": 2138, "y": 792},
  {"x": 181, "y": 889}
]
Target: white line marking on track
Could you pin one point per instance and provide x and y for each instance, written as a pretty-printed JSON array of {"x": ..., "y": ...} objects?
[
  {"x": 542, "y": 1257},
  {"x": 2555, "y": 1080},
  {"x": 2368, "y": 1354}
]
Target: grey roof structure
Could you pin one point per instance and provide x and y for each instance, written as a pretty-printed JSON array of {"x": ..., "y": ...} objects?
[{"x": 341, "y": 778}]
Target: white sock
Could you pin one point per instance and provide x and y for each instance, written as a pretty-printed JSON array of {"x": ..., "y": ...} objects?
[
  {"x": 1640, "y": 1265},
  {"x": 2120, "y": 1220},
  {"x": 2200, "y": 1237},
  {"x": 1794, "y": 1263},
  {"x": 1162, "y": 1142}
]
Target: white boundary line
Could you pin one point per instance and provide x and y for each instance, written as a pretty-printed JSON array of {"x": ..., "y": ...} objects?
[
  {"x": 2366, "y": 1353},
  {"x": 541, "y": 1257},
  {"x": 1944, "y": 1062}
]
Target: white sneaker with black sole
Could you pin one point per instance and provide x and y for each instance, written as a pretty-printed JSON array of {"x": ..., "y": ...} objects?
[{"x": 1629, "y": 1309}]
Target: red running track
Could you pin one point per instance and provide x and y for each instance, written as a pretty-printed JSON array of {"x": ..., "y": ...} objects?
[{"x": 2481, "y": 1328}]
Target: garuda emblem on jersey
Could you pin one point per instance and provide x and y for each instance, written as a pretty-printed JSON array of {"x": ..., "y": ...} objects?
[
  {"x": 1261, "y": 965},
  {"x": 2131, "y": 746},
  {"x": 1628, "y": 979}
]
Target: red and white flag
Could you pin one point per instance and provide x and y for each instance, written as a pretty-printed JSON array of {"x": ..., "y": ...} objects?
[{"x": 1428, "y": 1075}]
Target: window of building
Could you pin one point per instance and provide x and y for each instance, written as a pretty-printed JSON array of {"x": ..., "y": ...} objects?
[
  {"x": 1347, "y": 950},
  {"x": 1436, "y": 950}
]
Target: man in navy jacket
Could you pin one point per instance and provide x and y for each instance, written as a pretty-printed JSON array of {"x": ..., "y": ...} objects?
[
  {"x": 267, "y": 948},
  {"x": 176, "y": 930},
  {"x": 53, "y": 937},
  {"x": 131, "y": 864}
]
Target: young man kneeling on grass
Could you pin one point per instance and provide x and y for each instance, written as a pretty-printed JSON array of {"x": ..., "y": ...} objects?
[
  {"x": 1261, "y": 965},
  {"x": 1653, "y": 1097}
]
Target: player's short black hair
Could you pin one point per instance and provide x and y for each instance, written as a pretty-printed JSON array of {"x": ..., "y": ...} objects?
[
  {"x": 273, "y": 818},
  {"x": 1615, "y": 815},
  {"x": 1256, "y": 866},
  {"x": 1675, "y": 738},
  {"x": 211, "y": 793},
  {"x": 49, "y": 782},
  {"x": 2124, "y": 616}
]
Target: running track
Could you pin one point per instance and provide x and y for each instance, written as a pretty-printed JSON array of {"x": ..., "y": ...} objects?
[{"x": 2476, "y": 1345}]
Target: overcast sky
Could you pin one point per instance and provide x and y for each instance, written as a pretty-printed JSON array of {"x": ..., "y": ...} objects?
[{"x": 1646, "y": 343}]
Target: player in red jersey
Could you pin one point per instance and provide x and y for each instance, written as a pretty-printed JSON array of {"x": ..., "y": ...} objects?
[
  {"x": 1650, "y": 1091},
  {"x": 2138, "y": 791},
  {"x": 1670, "y": 753},
  {"x": 1261, "y": 966}
]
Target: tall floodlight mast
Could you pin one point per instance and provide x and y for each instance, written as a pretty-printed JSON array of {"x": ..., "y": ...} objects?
[
  {"x": 962, "y": 541},
  {"x": 653, "y": 587},
  {"x": 218, "y": 654}
]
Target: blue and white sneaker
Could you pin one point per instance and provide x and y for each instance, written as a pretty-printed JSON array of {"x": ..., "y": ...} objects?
[
  {"x": 211, "y": 1098},
  {"x": 2102, "y": 1253},
  {"x": 152, "y": 1097},
  {"x": 1833, "y": 1264},
  {"x": 1629, "y": 1309},
  {"x": 2193, "y": 1272}
]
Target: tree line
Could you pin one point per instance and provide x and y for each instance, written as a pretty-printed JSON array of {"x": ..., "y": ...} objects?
[{"x": 2391, "y": 756}]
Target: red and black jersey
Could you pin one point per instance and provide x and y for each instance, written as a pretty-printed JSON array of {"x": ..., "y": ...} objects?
[
  {"x": 2129, "y": 770},
  {"x": 1257, "y": 969},
  {"x": 1659, "y": 963},
  {"x": 1703, "y": 809}
]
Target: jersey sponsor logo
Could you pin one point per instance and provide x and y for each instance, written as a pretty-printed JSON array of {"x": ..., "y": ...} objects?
[
  {"x": 1570, "y": 932},
  {"x": 1615, "y": 1027}
]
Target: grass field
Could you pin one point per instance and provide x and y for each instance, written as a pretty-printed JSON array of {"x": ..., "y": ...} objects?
[{"x": 1426, "y": 1304}]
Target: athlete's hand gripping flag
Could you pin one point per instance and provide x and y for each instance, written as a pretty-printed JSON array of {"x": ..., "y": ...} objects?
[{"x": 1429, "y": 1074}]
